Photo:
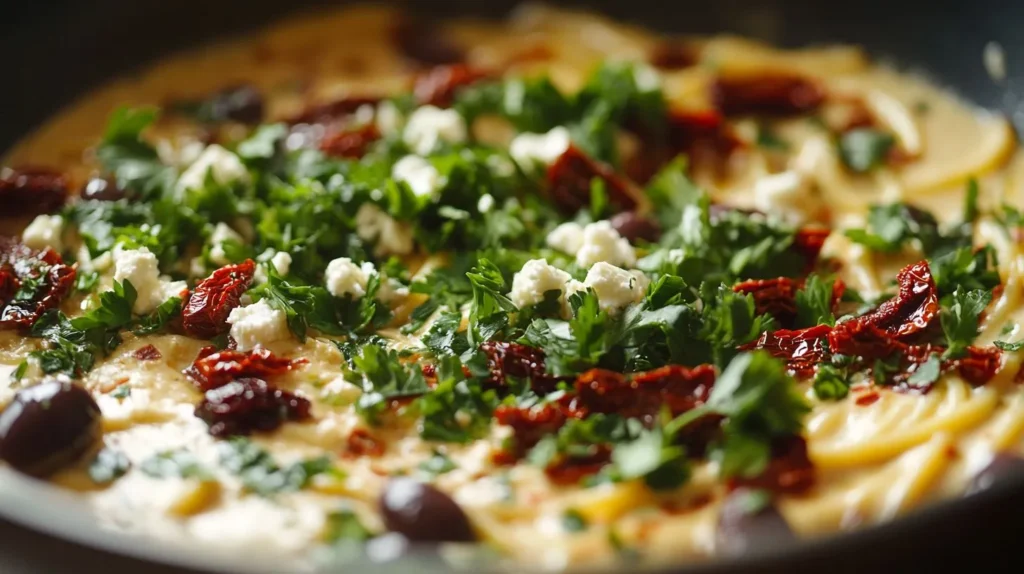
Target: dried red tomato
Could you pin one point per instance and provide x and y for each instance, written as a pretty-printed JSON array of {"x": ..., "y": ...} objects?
[
  {"x": 775, "y": 94},
  {"x": 350, "y": 144},
  {"x": 30, "y": 191},
  {"x": 520, "y": 361},
  {"x": 439, "y": 85},
  {"x": 790, "y": 470},
  {"x": 529, "y": 426},
  {"x": 913, "y": 308},
  {"x": 213, "y": 368},
  {"x": 674, "y": 55},
  {"x": 19, "y": 263},
  {"x": 206, "y": 313},
  {"x": 147, "y": 353},
  {"x": 362, "y": 443},
  {"x": 244, "y": 406},
  {"x": 645, "y": 394},
  {"x": 808, "y": 242},
  {"x": 703, "y": 135},
  {"x": 775, "y": 297},
  {"x": 567, "y": 471},
  {"x": 570, "y": 176},
  {"x": 979, "y": 366},
  {"x": 330, "y": 111},
  {"x": 802, "y": 349}
]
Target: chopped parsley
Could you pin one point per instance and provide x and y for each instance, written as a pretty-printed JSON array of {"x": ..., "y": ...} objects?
[
  {"x": 262, "y": 475},
  {"x": 864, "y": 149}
]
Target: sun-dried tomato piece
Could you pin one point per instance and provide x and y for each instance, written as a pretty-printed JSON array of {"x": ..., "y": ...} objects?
[
  {"x": 350, "y": 144},
  {"x": 520, "y": 361},
  {"x": 31, "y": 190},
  {"x": 802, "y": 349},
  {"x": 213, "y": 368},
  {"x": 808, "y": 242},
  {"x": 702, "y": 133},
  {"x": 570, "y": 176},
  {"x": 775, "y": 94},
  {"x": 979, "y": 366},
  {"x": 362, "y": 443},
  {"x": 775, "y": 297},
  {"x": 570, "y": 470},
  {"x": 529, "y": 426},
  {"x": 147, "y": 353},
  {"x": 913, "y": 308},
  {"x": 790, "y": 470},
  {"x": 674, "y": 55},
  {"x": 424, "y": 44},
  {"x": 244, "y": 406},
  {"x": 46, "y": 268},
  {"x": 438, "y": 85},
  {"x": 333, "y": 110},
  {"x": 206, "y": 313},
  {"x": 678, "y": 388}
]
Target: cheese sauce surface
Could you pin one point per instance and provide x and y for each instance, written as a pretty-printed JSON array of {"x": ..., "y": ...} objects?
[{"x": 877, "y": 453}]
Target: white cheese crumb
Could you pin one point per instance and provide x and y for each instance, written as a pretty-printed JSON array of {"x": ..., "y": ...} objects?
[
  {"x": 223, "y": 166},
  {"x": 429, "y": 125},
  {"x": 601, "y": 243},
  {"x": 530, "y": 150},
  {"x": 281, "y": 260},
  {"x": 535, "y": 279},
  {"x": 258, "y": 324},
  {"x": 392, "y": 291},
  {"x": 786, "y": 195},
  {"x": 567, "y": 238},
  {"x": 485, "y": 203},
  {"x": 392, "y": 237},
  {"x": 44, "y": 231},
  {"x": 141, "y": 268},
  {"x": 343, "y": 277},
  {"x": 388, "y": 119},
  {"x": 221, "y": 234},
  {"x": 646, "y": 78},
  {"x": 616, "y": 288},
  {"x": 421, "y": 175}
]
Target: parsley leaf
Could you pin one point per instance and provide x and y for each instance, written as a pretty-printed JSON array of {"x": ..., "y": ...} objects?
[
  {"x": 574, "y": 521},
  {"x": 344, "y": 526},
  {"x": 654, "y": 457},
  {"x": 814, "y": 303},
  {"x": 158, "y": 319},
  {"x": 133, "y": 162},
  {"x": 831, "y": 383},
  {"x": 262, "y": 475},
  {"x": 926, "y": 373},
  {"x": 457, "y": 409},
  {"x": 960, "y": 319},
  {"x": 488, "y": 314},
  {"x": 108, "y": 466},
  {"x": 864, "y": 149},
  {"x": 383, "y": 376},
  {"x": 437, "y": 464},
  {"x": 1009, "y": 347},
  {"x": 175, "y": 464}
]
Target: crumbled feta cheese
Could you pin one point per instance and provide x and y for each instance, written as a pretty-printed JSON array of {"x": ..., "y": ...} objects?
[
  {"x": 392, "y": 237},
  {"x": 388, "y": 119},
  {"x": 364, "y": 115},
  {"x": 421, "y": 175},
  {"x": 343, "y": 277},
  {"x": 616, "y": 288},
  {"x": 281, "y": 261},
  {"x": 392, "y": 291},
  {"x": 141, "y": 268},
  {"x": 567, "y": 238},
  {"x": 429, "y": 125},
  {"x": 485, "y": 203},
  {"x": 601, "y": 243},
  {"x": 535, "y": 279},
  {"x": 530, "y": 150},
  {"x": 44, "y": 231},
  {"x": 786, "y": 195},
  {"x": 221, "y": 234},
  {"x": 224, "y": 166},
  {"x": 258, "y": 324},
  {"x": 646, "y": 78},
  {"x": 179, "y": 153}
]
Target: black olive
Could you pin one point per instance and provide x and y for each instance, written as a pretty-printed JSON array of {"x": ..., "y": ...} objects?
[
  {"x": 423, "y": 513},
  {"x": 1002, "y": 467},
  {"x": 243, "y": 104},
  {"x": 48, "y": 426},
  {"x": 634, "y": 226},
  {"x": 749, "y": 522},
  {"x": 102, "y": 189}
]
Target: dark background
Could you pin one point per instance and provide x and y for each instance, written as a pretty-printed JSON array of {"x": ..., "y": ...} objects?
[{"x": 53, "y": 51}]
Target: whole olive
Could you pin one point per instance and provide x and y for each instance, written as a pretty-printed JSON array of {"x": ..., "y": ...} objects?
[
  {"x": 749, "y": 522},
  {"x": 101, "y": 189},
  {"x": 423, "y": 513},
  {"x": 1002, "y": 467},
  {"x": 48, "y": 426},
  {"x": 634, "y": 226}
]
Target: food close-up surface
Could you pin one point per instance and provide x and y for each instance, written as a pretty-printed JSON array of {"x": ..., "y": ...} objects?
[{"x": 550, "y": 292}]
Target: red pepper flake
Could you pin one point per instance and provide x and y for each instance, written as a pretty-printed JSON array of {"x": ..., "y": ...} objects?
[
  {"x": 19, "y": 263},
  {"x": 206, "y": 313},
  {"x": 31, "y": 190},
  {"x": 244, "y": 406},
  {"x": 213, "y": 368},
  {"x": 147, "y": 353},
  {"x": 350, "y": 144},
  {"x": 789, "y": 471},
  {"x": 439, "y": 85},
  {"x": 570, "y": 176},
  {"x": 773, "y": 94},
  {"x": 868, "y": 399},
  {"x": 362, "y": 443}
]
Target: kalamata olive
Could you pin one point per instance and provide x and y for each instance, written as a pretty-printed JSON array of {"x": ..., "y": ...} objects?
[
  {"x": 749, "y": 522},
  {"x": 423, "y": 513},
  {"x": 102, "y": 189},
  {"x": 1002, "y": 467},
  {"x": 634, "y": 226},
  {"x": 48, "y": 426}
]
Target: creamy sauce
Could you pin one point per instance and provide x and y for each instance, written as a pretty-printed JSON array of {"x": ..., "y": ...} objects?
[{"x": 876, "y": 460}]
